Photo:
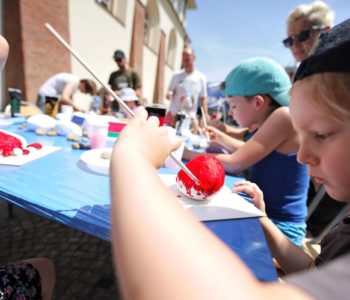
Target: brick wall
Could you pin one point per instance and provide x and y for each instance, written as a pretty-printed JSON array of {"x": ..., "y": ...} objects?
[
  {"x": 35, "y": 54},
  {"x": 12, "y": 32}
]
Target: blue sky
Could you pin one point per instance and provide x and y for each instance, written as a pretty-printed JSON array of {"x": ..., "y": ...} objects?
[{"x": 225, "y": 32}]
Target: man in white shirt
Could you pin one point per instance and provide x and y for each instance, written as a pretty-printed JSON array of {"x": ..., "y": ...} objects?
[{"x": 188, "y": 89}]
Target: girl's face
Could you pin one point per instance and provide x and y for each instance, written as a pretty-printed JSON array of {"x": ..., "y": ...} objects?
[
  {"x": 301, "y": 50},
  {"x": 324, "y": 143},
  {"x": 242, "y": 110}
]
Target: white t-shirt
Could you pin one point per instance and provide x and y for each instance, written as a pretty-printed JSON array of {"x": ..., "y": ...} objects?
[
  {"x": 187, "y": 89},
  {"x": 54, "y": 86}
]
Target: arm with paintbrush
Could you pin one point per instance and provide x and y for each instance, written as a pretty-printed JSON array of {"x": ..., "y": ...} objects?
[
  {"x": 224, "y": 139},
  {"x": 152, "y": 234}
]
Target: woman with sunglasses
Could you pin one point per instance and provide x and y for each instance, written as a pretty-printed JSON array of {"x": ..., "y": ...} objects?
[{"x": 304, "y": 24}]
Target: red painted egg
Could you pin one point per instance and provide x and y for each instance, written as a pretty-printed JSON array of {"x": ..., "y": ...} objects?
[{"x": 209, "y": 171}]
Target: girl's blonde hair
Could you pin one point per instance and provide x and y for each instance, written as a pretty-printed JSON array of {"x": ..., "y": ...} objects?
[
  {"x": 316, "y": 13},
  {"x": 330, "y": 93}
]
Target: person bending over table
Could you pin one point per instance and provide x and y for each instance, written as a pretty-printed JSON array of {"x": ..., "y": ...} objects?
[
  {"x": 173, "y": 256},
  {"x": 64, "y": 85},
  {"x": 29, "y": 279}
]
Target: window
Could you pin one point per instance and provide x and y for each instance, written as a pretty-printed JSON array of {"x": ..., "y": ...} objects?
[
  {"x": 152, "y": 25},
  {"x": 171, "y": 48},
  {"x": 179, "y": 6},
  {"x": 117, "y": 8},
  {"x": 107, "y": 4}
]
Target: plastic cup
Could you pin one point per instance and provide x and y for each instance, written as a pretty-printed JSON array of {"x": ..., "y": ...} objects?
[
  {"x": 98, "y": 135},
  {"x": 157, "y": 111},
  {"x": 169, "y": 162}
]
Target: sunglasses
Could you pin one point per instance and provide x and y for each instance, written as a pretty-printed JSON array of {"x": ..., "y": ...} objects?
[{"x": 302, "y": 36}]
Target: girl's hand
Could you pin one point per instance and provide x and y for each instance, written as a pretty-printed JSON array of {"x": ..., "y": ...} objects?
[
  {"x": 143, "y": 137},
  {"x": 253, "y": 191}
]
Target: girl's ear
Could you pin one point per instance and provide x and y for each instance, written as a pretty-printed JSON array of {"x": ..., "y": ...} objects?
[{"x": 259, "y": 102}]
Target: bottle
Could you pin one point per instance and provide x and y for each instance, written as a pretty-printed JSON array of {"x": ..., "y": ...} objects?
[
  {"x": 187, "y": 104},
  {"x": 15, "y": 100},
  {"x": 96, "y": 102},
  {"x": 186, "y": 125},
  {"x": 179, "y": 121}
]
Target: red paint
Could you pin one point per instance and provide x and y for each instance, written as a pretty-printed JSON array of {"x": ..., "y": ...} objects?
[
  {"x": 116, "y": 126},
  {"x": 209, "y": 171},
  {"x": 8, "y": 143},
  {"x": 37, "y": 146}
]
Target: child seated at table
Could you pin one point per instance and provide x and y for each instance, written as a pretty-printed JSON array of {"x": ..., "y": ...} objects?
[
  {"x": 180, "y": 256},
  {"x": 128, "y": 95},
  {"x": 257, "y": 91}
]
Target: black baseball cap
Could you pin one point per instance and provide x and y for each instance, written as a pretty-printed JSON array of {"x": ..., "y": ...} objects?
[
  {"x": 331, "y": 54},
  {"x": 118, "y": 54}
]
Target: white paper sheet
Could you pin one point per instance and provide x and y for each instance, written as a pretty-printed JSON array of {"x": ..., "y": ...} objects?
[
  {"x": 223, "y": 205},
  {"x": 23, "y": 159}
]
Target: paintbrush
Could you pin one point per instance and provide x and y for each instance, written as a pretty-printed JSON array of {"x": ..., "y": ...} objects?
[{"x": 205, "y": 124}]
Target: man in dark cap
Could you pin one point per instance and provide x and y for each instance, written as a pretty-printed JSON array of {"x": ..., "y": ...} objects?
[{"x": 124, "y": 77}]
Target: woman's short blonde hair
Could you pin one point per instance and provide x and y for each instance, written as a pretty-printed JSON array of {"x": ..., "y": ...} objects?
[
  {"x": 316, "y": 13},
  {"x": 330, "y": 92}
]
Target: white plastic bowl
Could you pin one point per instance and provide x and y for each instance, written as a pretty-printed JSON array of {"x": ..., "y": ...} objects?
[{"x": 41, "y": 121}]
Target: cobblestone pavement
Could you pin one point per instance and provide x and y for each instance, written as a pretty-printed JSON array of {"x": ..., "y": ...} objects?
[{"x": 84, "y": 268}]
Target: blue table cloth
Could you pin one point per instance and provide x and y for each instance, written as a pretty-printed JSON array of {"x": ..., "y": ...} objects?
[{"x": 60, "y": 187}]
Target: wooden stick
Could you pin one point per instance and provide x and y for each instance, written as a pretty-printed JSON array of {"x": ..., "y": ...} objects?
[
  {"x": 115, "y": 96},
  {"x": 205, "y": 123}
]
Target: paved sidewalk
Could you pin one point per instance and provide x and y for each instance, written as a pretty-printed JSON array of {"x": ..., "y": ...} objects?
[{"x": 84, "y": 268}]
